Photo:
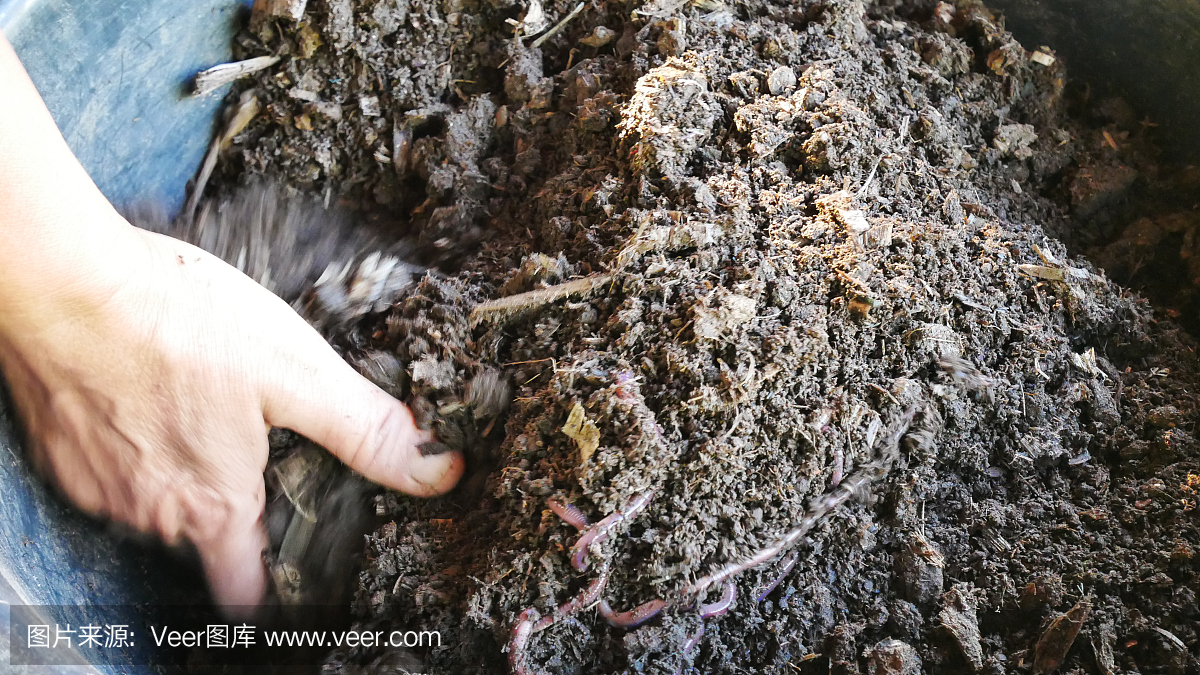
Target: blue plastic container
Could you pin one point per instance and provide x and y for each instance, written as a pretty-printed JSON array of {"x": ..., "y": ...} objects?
[{"x": 114, "y": 75}]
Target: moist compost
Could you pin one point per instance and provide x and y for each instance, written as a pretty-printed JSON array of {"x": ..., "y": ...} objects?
[{"x": 697, "y": 269}]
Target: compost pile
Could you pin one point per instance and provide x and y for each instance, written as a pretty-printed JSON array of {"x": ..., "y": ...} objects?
[{"x": 699, "y": 263}]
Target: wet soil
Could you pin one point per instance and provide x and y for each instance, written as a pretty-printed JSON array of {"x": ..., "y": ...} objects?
[{"x": 715, "y": 253}]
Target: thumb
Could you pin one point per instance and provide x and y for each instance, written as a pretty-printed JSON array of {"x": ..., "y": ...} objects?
[{"x": 360, "y": 424}]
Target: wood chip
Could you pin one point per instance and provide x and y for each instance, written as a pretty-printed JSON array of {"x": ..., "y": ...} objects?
[
  {"x": 1043, "y": 272},
  {"x": 958, "y": 619},
  {"x": 1054, "y": 644},
  {"x": 1043, "y": 58},
  {"x": 209, "y": 80}
]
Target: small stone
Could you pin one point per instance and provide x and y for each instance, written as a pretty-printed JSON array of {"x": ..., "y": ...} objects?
[
  {"x": 1043, "y": 57},
  {"x": 855, "y": 221},
  {"x": 733, "y": 312},
  {"x": 1104, "y": 407},
  {"x": 381, "y": 368},
  {"x": 329, "y": 109},
  {"x": 303, "y": 95},
  {"x": 782, "y": 80},
  {"x": 904, "y": 618},
  {"x": 1164, "y": 417}
]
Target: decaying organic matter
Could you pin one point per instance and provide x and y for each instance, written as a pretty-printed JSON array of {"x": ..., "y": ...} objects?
[{"x": 708, "y": 262}]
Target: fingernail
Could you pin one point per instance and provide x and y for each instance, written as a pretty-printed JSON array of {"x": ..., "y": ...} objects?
[{"x": 431, "y": 470}]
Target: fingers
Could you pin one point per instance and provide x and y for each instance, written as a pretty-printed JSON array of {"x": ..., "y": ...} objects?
[
  {"x": 370, "y": 431},
  {"x": 232, "y": 557}
]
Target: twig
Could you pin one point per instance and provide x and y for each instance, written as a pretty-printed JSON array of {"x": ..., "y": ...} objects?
[
  {"x": 870, "y": 176},
  {"x": 558, "y": 26},
  {"x": 506, "y": 307},
  {"x": 246, "y": 109}
]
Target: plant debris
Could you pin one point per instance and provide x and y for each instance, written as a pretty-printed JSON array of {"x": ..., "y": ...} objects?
[
  {"x": 210, "y": 80},
  {"x": 1051, "y": 649}
]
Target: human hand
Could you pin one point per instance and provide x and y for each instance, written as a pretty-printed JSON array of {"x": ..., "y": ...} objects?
[{"x": 147, "y": 379}]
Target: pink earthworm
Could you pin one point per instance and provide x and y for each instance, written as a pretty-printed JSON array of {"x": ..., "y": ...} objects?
[
  {"x": 850, "y": 487},
  {"x": 568, "y": 512},
  {"x": 599, "y": 532},
  {"x": 521, "y": 633},
  {"x": 580, "y": 550},
  {"x": 720, "y": 606},
  {"x": 689, "y": 644},
  {"x": 634, "y": 617},
  {"x": 839, "y": 466},
  {"x": 572, "y": 606},
  {"x": 788, "y": 563}
]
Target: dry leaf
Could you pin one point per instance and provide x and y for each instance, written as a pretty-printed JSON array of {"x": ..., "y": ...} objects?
[{"x": 583, "y": 431}]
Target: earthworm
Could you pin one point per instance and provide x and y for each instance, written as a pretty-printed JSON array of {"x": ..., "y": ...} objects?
[
  {"x": 689, "y": 644},
  {"x": 580, "y": 549},
  {"x": 839, "y": 466},
  {"x": 720, "y": 606},
  {"x": 598, "y": 532},
  {"x": 788, "y": 564},
  {"x": 820, "y": 507},
  {"x": 568, "y": 512},
  {"x": 520, "y": 638},
  {"x": 572, "y": 606},
  {"x": 634, "y": 617}
]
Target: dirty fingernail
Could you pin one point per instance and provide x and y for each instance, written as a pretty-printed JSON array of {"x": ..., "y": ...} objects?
[{"x": 431, "y": 470}]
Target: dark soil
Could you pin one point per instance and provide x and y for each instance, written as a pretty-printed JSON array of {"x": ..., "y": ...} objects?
[{"x": 800, "y": 220}]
